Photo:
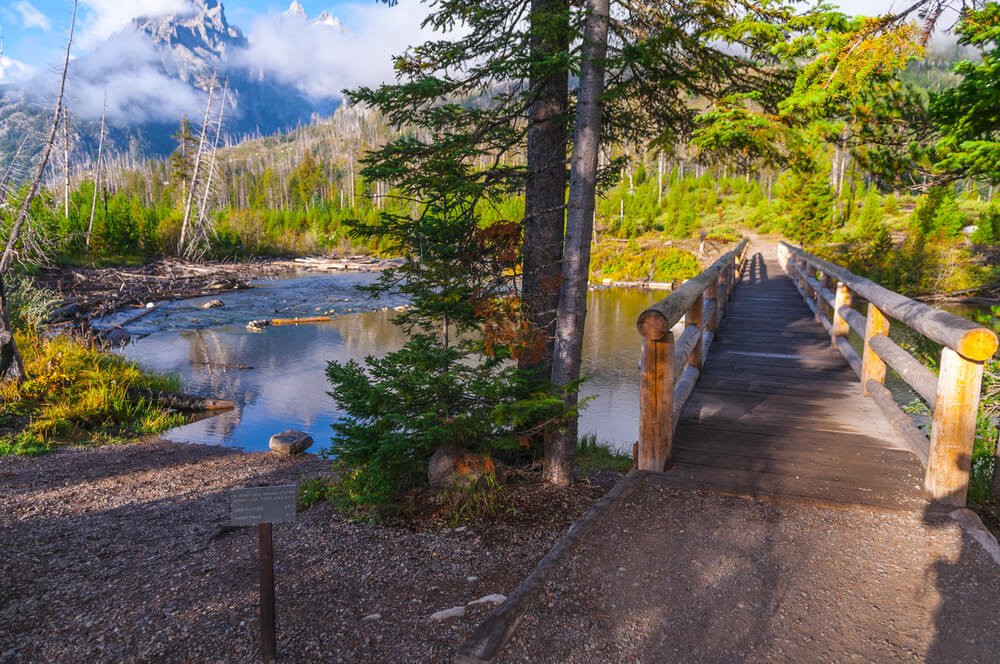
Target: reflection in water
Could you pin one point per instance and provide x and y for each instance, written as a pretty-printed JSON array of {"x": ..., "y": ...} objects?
[{"x": 286, "y": 388}]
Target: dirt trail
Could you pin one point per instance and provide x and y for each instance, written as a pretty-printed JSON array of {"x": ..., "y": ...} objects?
[{"x": 674, "y": 575}]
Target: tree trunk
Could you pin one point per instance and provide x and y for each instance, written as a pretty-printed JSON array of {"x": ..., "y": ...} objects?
[
  {"x": 572, "y": 312},
  {"x": 11, "y": 365},
  {"x": 545, "y": 190}
]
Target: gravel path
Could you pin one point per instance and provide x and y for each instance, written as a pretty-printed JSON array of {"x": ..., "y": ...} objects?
[
  {"x": 684, "y": 576},
  {"x": 115, "y": 554}
]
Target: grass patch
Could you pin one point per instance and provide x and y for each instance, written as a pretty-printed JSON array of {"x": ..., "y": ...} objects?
[
  {"x": 592, "y": 456},
  {"x": 76, "y": 393},
  {"x": 619, "y": 261}
]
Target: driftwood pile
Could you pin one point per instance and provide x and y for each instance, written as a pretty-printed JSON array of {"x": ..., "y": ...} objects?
[{"x": 91, "y": 293}]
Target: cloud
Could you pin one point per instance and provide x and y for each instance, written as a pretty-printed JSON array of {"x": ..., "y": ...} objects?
[
  {"x": 322, "y": 58},
  {"x": 103, "y": 18},
  {"x": 14, "y": 71},
  {"x": 129, "y": 69},
  {"x": 31, "y": 17}
]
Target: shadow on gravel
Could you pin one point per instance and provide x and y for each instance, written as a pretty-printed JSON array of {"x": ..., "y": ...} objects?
[
  {"x": 967, "y": 621},
  {"x": 22, "y": 475},
  {"x": 81, "y": 583}
]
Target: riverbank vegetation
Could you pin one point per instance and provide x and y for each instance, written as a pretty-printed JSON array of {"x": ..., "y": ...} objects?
[{"x": 74, "y": 391}]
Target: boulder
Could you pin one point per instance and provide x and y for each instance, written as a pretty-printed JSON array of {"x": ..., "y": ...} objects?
[
  {"x": 212, "y": 304},
  {"x": 290, "y": 442},
  {"x": 453, "y": 466}
]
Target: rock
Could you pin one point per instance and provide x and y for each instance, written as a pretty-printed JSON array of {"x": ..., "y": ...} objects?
[
  {"x": 290, "y": 442},
  {"x": 445, "y": 614},
  {"x": 373, "y": 616},
  {"x": 452, "y": 466},
  {"x": 212, "y": 304},
  {"x": 472, "y": 579},
  {"x": 117, "y": 337},
  {"x": 494, "y": 599},
  {"x": 258, "y": 324}
]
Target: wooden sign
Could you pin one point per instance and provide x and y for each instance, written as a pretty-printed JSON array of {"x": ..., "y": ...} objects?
[{"x": 263, "y": 504}]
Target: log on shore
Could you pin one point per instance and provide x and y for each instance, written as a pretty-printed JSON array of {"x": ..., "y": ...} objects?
[{"x": 178, "y": 401}]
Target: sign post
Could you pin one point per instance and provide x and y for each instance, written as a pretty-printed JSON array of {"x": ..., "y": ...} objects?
[{"x": 262, "y": 506}]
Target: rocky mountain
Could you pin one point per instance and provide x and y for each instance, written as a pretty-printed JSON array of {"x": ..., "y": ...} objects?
[{"x": 155, "y": 71}]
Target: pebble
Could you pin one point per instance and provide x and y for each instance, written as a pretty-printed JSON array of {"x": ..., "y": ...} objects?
[
  {"x": 445, "y": 614},
  {"x": 494, "y": 598},
  {"x": 373, "y": 616},
  {"x": 472, "y": 579}
]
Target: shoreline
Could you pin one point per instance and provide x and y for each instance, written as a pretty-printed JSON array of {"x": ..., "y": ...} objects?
[{"x": 90, "y": 293}]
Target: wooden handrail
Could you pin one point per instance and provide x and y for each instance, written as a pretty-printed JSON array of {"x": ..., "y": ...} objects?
[
  {"x": 670, "y": 369},
  {"x": 952, "y": 395}
]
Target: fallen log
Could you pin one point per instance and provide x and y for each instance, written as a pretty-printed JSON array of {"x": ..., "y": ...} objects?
[
  {"x": 177, "y": 401},
  {"x": 296, "y": 321}
]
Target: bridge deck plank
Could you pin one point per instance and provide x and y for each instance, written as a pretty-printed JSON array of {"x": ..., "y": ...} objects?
[{"x": 779, "y": 411}]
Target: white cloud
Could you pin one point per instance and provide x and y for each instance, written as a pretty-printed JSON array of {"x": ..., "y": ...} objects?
[
  {"x": 321, "y": 59},
  {"x": 31, "y": 17},
  {"x": 103, "y": 18},
  {"x": 14, "y": 71},
  {"x": 129, "y": 69}
]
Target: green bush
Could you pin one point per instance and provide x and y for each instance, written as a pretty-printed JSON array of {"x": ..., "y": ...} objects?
[{"x": 403, "y": 407}]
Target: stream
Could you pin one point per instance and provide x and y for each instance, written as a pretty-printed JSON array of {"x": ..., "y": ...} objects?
[{"x": 283, "y": 384}]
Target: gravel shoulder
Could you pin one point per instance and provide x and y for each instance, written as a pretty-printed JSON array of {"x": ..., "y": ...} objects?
[
  {"x": 116, "y": 554},
  {"x": 685, "y": 576}
]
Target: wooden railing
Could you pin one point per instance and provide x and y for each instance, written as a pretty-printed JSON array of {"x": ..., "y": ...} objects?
[
  {"x": 670, "y": 367},
  {"x": 952, "y": 395}
]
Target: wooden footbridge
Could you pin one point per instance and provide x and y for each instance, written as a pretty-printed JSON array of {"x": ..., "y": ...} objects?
[{"x": 777, "y": 406}]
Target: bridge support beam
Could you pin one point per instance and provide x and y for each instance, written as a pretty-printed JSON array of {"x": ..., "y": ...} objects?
[{"x": 953, "y": 429}]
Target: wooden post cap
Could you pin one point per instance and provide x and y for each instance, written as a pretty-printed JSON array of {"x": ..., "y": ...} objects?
[{"x": 978, "y": 344}]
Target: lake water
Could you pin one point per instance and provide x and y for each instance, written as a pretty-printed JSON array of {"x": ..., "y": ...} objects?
[{"x": 286, "y": 386}]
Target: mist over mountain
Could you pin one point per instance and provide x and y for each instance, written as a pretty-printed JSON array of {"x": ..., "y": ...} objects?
[{"x": 159, "y": 68}]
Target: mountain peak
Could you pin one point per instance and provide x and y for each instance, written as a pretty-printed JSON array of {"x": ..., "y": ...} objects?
[
  {"x": 197, "y": 40},
  {"x": 296, "y": 9},
  {"x": 326, "y": 18}
]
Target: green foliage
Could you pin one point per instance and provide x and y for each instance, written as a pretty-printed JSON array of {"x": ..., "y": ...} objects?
[
  {"x": 592, "y": 456},
  {"x": 807, "y": 206},
  {"x": 30, "y": 305},
  {"x": 966, "y": 114},
  {"x": 627, "y": 262},
  {"x": 403, "y": 407},
  {"x": 314, "y": 490},
  {"x": 484, "y": 499},
  {"x": 77, "y": 393}
]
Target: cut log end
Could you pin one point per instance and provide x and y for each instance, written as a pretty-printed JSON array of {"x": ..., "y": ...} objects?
[
  {"x": 653, "y": 325},
  {"x": 978, "y": 344}
]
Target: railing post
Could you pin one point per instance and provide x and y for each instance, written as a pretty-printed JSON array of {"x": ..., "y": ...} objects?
[
  {"x": 712, "y": 294},
  {"x": 953, "y": 428},
  {"x": 656, "y": 403},
  {"x": 695, "y": 316},
  {"x": 872, "y": 366},
  {"x": 840, "y": 328},
  {"x": 825, "y": 282}
]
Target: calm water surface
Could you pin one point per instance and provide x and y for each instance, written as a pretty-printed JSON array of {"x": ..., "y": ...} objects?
[{"x": 286, "y": 386}]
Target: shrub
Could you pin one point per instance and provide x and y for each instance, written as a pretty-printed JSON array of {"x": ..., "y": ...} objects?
[{"x": 403, "y": 407}]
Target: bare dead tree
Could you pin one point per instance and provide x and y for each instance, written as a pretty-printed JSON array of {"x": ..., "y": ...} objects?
[
  {"x": 11, "y": 364},
  {"x": 97, "y": 173},
  {"x": 182, "y": 242},
  {"x": 202, "y": 230}
]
